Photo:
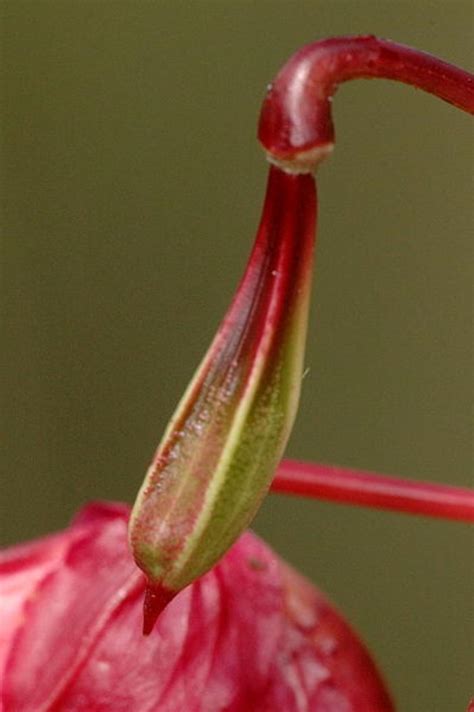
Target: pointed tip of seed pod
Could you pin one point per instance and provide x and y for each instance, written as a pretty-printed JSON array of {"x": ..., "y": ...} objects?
[{"x": 156, "y": 600}]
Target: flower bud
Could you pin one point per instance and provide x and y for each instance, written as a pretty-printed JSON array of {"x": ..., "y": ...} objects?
[{"x": 219, "y": 452}]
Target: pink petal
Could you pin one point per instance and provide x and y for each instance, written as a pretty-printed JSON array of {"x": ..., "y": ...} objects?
[
  {"x": 212, "y": 649},
  {"x": 337, "y": 647},
  {"x": 249, "y": 636},
  {"x": 22, "y": 568},
  {"x": 68, "y": 610}
]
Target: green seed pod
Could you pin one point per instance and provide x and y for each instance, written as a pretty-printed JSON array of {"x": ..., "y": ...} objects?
[{"x": 220, "y": 450}]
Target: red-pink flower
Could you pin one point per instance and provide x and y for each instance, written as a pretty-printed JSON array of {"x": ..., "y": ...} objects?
[{"x": 250, "y": 636}]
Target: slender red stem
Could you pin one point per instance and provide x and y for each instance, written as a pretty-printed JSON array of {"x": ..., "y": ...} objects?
[
  {"x": 296, "y": 114},
  {"x": 339, "y": 484}
]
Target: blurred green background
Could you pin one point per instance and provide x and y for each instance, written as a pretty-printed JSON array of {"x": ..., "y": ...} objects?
[{"x": 133, "y": 185}]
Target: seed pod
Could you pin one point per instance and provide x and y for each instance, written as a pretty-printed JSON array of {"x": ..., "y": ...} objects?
[{"x": 219, "y": 452}]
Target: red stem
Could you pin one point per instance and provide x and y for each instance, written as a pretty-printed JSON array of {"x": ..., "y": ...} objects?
[
  {"x": 342, "y": 485},
  {"x": 296, "y": 114},
  {"x": 296, "y": 130}
]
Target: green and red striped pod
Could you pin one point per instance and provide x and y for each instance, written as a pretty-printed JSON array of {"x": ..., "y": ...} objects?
[{"x": 221, "y": 448}]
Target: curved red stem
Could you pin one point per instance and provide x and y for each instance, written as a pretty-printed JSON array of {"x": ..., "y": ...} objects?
[
  {"x": 296, "y": 130},
  {"x": 296, "y": 114},
  {"x": 339, "y": 484}
]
